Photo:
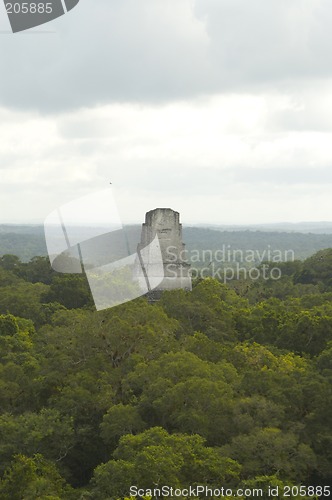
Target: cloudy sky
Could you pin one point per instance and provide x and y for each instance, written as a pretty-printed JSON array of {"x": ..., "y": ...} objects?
[{"x": 220, "y": 109}]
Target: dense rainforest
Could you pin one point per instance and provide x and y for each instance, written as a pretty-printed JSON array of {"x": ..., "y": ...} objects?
[{"x": 229, "y": 384}]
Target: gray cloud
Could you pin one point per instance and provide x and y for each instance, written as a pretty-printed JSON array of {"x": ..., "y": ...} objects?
[
  {"x": 105, "y": 51},
  {"x": 152, "y": 51},
  {"x": 144, "y": 75}
]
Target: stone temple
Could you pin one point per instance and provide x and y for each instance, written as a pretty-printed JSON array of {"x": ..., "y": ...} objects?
[{"x": 174, "y": 271}]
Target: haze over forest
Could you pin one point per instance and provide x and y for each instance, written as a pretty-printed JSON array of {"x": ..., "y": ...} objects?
[{"x": 27, "y": 241}]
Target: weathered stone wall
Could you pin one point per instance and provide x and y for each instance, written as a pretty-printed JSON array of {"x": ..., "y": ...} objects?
[{"x": 165, "y": 223}]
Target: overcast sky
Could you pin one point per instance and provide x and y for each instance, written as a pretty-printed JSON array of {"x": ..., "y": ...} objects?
[{"x": 220, "y": 109}]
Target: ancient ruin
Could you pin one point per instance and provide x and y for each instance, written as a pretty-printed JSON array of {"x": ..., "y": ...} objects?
[{"x": 175, "y": 270}]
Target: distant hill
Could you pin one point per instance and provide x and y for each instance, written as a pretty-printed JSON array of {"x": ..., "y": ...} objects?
[
  {"x": 321, "y": 227},
  {"x": 24, "y": 241},
  {"x": 28, "y": 241},
  {"x": 303, "y": 244}
]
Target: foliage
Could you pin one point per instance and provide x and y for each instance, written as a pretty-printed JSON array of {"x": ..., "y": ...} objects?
[
  {"x": 158, "y": 458},
  {"x": 227, "y": 384},
  {"x": 33, "y": 478}
]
